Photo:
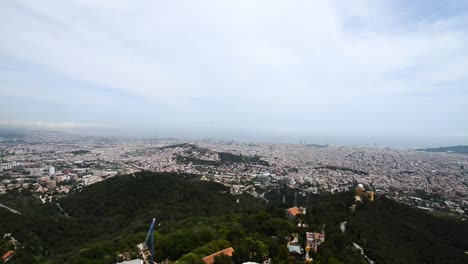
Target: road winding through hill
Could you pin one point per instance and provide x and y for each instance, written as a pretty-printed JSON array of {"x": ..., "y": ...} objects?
[{"x": 10, "y": 209}]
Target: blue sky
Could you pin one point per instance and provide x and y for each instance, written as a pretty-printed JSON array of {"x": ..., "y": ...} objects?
[{"x": 222, "y": 68}]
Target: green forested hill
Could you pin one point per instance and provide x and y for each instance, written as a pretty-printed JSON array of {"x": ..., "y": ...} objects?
[
  {"x": 396, "y": 233},
  {"x": 198, "y": 218},
  {"x": 166, "y": 196},
  {"x": 113, "y": 216}
]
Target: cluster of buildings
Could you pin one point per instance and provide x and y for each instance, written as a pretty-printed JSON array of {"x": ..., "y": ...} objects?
[
  {"x": 360, "y": 193},
  {"x": 43, "y": 163},
  {"x": 312, "y": 239}
]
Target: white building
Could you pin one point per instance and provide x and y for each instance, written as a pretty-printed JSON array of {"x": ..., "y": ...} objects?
[{"x": 51, "y": 170}]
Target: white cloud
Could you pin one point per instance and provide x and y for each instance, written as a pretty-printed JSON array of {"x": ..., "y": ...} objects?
[
  {"x": 42, "y": 125},
  {"x": 250, "y": 62}
]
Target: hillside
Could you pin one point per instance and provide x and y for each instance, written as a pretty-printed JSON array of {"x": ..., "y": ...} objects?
[
  {"x": 119, "y": 208},
  {"x": 198, "y": 218},
  {"x": 396, "y": 233},
  {"x": 166, "y": 196}
]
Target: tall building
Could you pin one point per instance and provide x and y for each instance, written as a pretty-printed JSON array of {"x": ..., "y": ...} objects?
[{"x": 51, "y": 170}]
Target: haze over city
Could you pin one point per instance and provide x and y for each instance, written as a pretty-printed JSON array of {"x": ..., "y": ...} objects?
[{"x": 329, "y": 72}]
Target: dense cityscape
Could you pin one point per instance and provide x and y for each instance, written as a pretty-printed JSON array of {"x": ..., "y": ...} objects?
[{"x": 51, "y": 165}]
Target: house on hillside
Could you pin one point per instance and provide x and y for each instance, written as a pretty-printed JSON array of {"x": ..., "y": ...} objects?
[
  {"x": 204, "y": 178},
  {"x": 295, "y": 248},
  {"x": 293, "y": 212},
  {"x": 314, "y": 239},
  {"x": 360, "y": 193}
]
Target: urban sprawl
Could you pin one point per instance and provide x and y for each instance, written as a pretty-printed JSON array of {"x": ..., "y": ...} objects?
[{"x": 51, "y": 165}]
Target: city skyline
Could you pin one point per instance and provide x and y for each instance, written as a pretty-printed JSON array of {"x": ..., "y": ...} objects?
[{"x": 354, "y": 72}]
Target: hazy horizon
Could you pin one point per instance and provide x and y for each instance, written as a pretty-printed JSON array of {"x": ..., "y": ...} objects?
[
  {"x": 329, "y": 72},
  {"x": 318, "y": 139}
]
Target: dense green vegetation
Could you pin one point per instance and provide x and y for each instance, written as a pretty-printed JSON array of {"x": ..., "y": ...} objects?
[
  {"x": 225, "y": 159},
  {"x": 395, "y": 233},
  {"x": 338, "y": 168},
  {"x": 181, "y": 145},
  {"x": 229, "y": 157},
  {"x": 113, "y": 217},
  {"x": 197, "y": 161},
  {"x": 80, "y": 152},
  {"x": 197, "y": 218}
]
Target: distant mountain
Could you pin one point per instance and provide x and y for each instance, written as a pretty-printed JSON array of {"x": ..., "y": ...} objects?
[
  {"x": 453, "y": 149},
  {"x": 12, "y": 133}
]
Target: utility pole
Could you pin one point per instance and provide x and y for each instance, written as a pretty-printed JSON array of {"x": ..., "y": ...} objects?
[
  {"x": 295, "y": 198},
  {"x": 151, "y": 233}
]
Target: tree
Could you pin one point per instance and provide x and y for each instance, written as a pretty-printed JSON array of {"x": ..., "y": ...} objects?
[
  {"x": 222, "y": 259},
  {"x": 191, "y": 258}
]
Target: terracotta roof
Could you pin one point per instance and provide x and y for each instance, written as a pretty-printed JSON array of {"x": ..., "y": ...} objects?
[
  {"x": 8, "y": 254},
  {"x": 210, "y": 259},
  {"x": 294, "y": 211}
]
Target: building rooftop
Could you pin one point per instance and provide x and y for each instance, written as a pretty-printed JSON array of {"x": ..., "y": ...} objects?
[
  {"x": 210, "y": 259},
  {"x": 294, "y": 211},
  {"x": 7, "y": 255},
  {"x": 295, "y": 249}
]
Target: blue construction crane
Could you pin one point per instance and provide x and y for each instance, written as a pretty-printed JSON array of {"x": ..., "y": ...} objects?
[{"x": 151, "y": 234}]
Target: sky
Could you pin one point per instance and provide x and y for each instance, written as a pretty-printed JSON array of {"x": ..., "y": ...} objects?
[{"x": 349, "y": 71}]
